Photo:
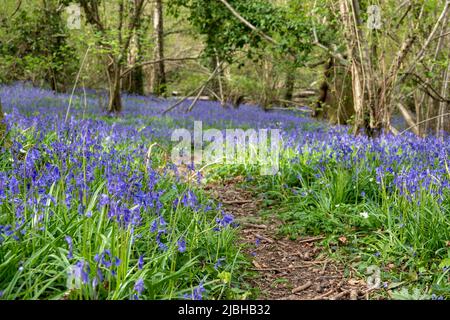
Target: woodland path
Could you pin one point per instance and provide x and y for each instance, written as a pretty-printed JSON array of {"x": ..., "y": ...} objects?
[{"x": 286, "y": 269}]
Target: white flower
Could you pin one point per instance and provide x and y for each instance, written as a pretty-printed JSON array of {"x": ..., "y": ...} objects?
[{"x": 364, "y": 214}]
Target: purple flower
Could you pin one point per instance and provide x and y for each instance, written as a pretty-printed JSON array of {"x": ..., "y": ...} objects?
[
  {"x": 219, "y": 262},
  {"x": 226, "y": 220},
  {"x": 70, "y": 244},
  {"x": 80, "y": 271},
  {"x": 154, "y": 226},
  {"x": 141, "y": 262},
  {"x": 139, "y": 286},
  {"x": 181, "y": 245},
  {"x": 197, "y": 293}
]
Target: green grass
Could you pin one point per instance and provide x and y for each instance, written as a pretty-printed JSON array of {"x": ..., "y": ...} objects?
[
  {"x": 407, "y": 240},
  {"x": 36, "y": 264}
]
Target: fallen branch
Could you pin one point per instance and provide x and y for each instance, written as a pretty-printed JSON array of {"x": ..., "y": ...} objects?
[
  {"x": 197, "y": 97},
  {"x": 264, "y": 238},
  {"x": 200, "y": 88},
  {"x": 302, "y": 287},
  {"x": 236, "y": 201},
  {"x": 339, "y": 295},
  {"x": 426, "y": 120},
  {"x": 323, "y": 295}
]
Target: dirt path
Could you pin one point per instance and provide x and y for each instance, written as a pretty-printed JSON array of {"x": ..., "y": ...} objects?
[{"x": 287, "y": 269}]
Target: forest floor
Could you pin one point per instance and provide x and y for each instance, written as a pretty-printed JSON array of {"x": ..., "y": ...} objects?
[{"x": 284, "y": 269}]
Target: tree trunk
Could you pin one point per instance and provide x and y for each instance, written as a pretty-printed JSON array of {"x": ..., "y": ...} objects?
[
  {"x": 115, "y": 99},
  {"x": 134, "y": 80},
  {"x": 2, "y": 125},
  {"x": 335, "y": 102},
  {"x": 443, "y": 106},
  {"x": 159, "y": 73},
  {"x": 289, "y": 84}
]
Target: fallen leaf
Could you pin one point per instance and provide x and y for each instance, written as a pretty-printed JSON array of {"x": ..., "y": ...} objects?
[{"x": 343, "y": 240}]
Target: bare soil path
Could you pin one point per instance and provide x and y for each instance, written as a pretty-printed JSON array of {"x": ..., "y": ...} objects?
[{"x": 286, "y": 269}]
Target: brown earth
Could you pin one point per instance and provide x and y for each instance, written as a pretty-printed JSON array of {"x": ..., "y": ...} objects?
[{"x": 286, "y": 269}]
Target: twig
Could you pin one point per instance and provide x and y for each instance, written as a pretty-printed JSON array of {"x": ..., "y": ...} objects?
[
  {"x": 149, "y": 153},
  {"x": 323, "y": 295},
  {"x": 264, "y": 238},
  {"x": 75, "y": 84},
  {"x": 190, "y": 94},
  {"x": 247, "y": 23},
  {"x": 311, "y": 239},
  {"x": 302, "y": 287},
  {"x": 429, "y": 119},
  {"x": 339, "y": 295},
  {"x": 219, "y": 67},
  {"x": 197, "y": 97},
  {"x": 237, "y": 201}
]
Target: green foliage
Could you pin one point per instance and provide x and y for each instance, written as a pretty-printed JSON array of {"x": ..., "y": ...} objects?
[
  {"x": 225, "y": 34},
  {"x": 35, "y": 47}
]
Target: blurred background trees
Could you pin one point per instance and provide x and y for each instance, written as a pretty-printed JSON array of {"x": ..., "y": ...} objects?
[{"x": 347, "y": 61}]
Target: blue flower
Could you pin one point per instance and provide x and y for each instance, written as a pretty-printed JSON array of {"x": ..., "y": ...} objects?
[
  {"x": 227, "y": 219},
  {"x": 197, "y": 293},
  {"x": 219, "y": 262},
  {"x": 141, "y": 262},
  {"x": 139, "y": 286},
  {"x": 154, "y": 226},
  {"x": 181, "y": 245},
  {"x": 80, "y": 271},
  {"x": 70, "y": 244}
]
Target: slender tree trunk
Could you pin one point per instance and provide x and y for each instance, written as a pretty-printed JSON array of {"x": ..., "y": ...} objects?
[
  {"x": 134, "y": 80},
  {"x": 289, "y": 84},
  {"x": 216, "y": 84},
  {"x": 2, "y": 125},
  {"x": 443, "y": 106},
  {"x": 323, "y": 91},
  {"x": 159, "y": 73},
  {"x": 114, "y": 78},
  {"x": 359, "y": 71}
]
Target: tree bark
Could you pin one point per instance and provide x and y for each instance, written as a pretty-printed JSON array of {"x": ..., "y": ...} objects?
[
  {"x": 2, "y": 125},
  {"x": 133, "y": 82},
  {"x": 159, "y": 73},
  {"x": 115, "y": 99},
  {"x": 443, "y": 106},
  {"x": 372, "y": 90},
  {"x": 116, "y": 60},
  {"x": 289, "y": 84}
]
